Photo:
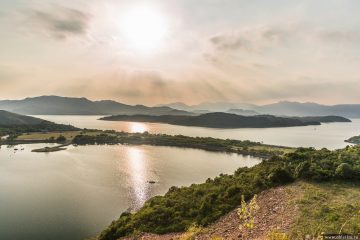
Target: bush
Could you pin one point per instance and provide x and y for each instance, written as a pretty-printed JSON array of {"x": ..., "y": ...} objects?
[
  {"x": 61, "y": 138},
  {"x": 344, "y": 170}
]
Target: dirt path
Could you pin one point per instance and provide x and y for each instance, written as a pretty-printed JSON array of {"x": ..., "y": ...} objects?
[{"x": 277, "y": 212}]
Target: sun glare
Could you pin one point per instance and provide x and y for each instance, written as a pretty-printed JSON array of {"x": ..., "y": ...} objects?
[{"x": 144, "y": 28}]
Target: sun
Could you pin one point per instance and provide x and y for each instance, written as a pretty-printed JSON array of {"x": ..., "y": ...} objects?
[{"x": 144, "y": 27}]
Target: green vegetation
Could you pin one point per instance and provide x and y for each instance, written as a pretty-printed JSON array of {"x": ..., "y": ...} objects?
[
  {"x": 8, "y": 118},
  {"x": 205, "y": 143},
  {"x": 14, "y": 125},
  {"x": 331, "y": 207},
  {"x": 44, "y": 127},
  {"x": 247, "y": 212},
  {"x": 201, "y": 204},
  {"x": 191, "y": 233},
  {"x": 53, "y": 136},
  {"x": 218, "y": 120},
  {"x": 354, "y": 140},
  {"x": 228, "y": 120},
  {"x": 276, "y": 235}
]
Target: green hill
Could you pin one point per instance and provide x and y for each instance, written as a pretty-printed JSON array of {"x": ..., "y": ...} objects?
[
  {"x": 8, "y": 118},
  {"x": 14, "y": 124},
  {"x": 228, "y": 120}
]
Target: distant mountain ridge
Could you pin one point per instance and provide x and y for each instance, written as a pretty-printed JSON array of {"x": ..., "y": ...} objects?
[
  {"x": 227, "y": 120},
  {"x": 310, "y": 109},
  {"x": 55, "y": 105},
  {"x": 283, "y": 108},
  {"x": 242, "y": 112}
]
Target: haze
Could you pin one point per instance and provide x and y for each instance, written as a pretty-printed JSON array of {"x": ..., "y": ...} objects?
[{"x": 156, "y": 52}]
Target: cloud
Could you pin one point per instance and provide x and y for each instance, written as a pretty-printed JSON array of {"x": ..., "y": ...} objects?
[
  {"x": 228, "y": 42},
  {"x": 339, "y": 36},
  {"x": 8, "y": 75},
  {"x": 249, "y": 39},
  {"x": 60, "y": 22}
]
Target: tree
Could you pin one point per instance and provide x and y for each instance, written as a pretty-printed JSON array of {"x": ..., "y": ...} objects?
[{"x": 61, "y": 138}]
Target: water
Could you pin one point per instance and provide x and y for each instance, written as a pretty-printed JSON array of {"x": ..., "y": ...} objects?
[
  {"x": 74, "y": 194},
  {"x": 328, "y": 135}
]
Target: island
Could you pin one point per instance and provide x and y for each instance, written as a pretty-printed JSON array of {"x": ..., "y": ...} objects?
[
  {"x": 228, "y": 120},
  {"x": 353, "y": 140}
]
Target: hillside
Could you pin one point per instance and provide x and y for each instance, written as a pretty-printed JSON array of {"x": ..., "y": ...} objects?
[
  {"x": 203, "y": 204},
  {"x": 55, "y": 105},
  {"x": 242, "y": 112},
  {"x": 354, "y": 140},
  {"x": 285, "y": 211},
  {"x": 13, "y": 124},
  {"x": 226, "y": 120},
  {"x": 323, "y": 119},
  {"x": 8, "y": 118}
]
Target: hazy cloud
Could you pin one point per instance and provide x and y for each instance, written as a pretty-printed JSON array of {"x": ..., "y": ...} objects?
[
  {"x": 339, "y": 36},
  {"x": 7, "y": 76},
  {"x": 61, "y": 22},
  {"x": 232, "y": 42},
  {"x": 249, "y": 39}
]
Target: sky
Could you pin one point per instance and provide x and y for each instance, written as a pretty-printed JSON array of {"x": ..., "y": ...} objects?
[{"x": 161, "y": 51}]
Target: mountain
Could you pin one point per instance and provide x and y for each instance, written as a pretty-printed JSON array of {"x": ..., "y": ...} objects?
[
  {"x": 209, "y": 106},
  {"x": 226, "y": 120},
  {"x": 243, "y": 112},
  {"x": 8, "y": 118},
  {"x": 283, "y": 108},
  {"x": 55, "y": 105},
  {"x": 310, "y": 109},
  {"x": 323, "y": 119}
]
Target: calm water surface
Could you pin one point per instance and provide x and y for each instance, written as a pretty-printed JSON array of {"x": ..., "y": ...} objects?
[
  {"x": 331, "y": 135},
  {"x": 76, "y": 193}
]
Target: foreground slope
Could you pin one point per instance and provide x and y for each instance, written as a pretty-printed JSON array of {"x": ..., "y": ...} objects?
[
  {"x": 294, "y": 210},
  {"x": 203, "y": 204}
]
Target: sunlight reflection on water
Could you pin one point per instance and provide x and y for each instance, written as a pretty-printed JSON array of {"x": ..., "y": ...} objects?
[
  {"x": 138, "y": 173},
  {"x": 136, "y": 127}
]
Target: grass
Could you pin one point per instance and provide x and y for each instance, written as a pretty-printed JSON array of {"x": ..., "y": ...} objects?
[
  {"x": 191, "y": 233},
  {"x": 273, "y": 148},
  {"x": 326, "y": 208},
  {"x": 69, "y": 135}
]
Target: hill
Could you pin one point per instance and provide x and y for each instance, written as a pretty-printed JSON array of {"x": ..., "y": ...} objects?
[
  {"x": 204, "y": 204},
  {"x": 55, "y": 105},
  {"x": 354, "y": 140},
  {"x": 310, "y": 109},
  {"x": 8, "y": 118},
  {"x": 323, "y": 119},
  {"x": 14, "y": 124},
  {"x": 225, "y": 120},
  {"x": 242, "y": 112},
  {"x": 283, "y": 108},
  {"x": 285, "y": 212}
]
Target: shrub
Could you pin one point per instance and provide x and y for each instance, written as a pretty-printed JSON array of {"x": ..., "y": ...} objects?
[{"x": 344, "y": 170}]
